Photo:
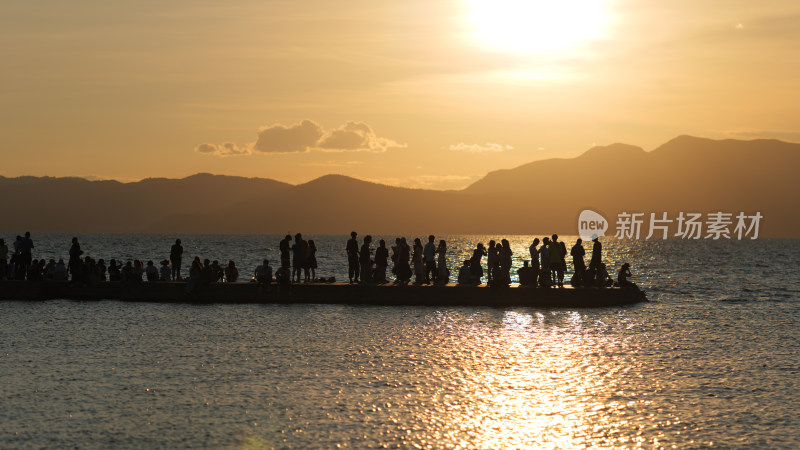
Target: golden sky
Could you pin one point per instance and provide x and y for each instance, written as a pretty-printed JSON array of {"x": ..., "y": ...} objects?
[{"x": 406, "y": 92}]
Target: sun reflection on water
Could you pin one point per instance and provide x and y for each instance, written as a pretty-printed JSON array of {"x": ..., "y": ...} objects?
[{"x": 528, "y": 382}]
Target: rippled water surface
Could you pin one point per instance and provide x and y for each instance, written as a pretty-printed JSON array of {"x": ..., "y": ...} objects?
[{"x": 714, "y": 360}]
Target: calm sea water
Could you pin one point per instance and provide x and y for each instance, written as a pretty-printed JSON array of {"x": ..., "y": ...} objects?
[{"x": 712, "y": 361}]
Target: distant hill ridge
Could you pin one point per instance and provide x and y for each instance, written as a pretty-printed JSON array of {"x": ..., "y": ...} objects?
[{"x": 685, "y": 174}]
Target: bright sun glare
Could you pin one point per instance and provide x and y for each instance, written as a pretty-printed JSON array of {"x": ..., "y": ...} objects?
[{"x": 536, "y": 25}]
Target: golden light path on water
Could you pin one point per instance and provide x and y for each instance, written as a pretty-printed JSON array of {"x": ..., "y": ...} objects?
[{"x": 526, "y": 388}]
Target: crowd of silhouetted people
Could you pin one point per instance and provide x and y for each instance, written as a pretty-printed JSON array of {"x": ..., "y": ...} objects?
[
  {"x": 428, "y": 264},
  {"x": 425, "y": 264}
]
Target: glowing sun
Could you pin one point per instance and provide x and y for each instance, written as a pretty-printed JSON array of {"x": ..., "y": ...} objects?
[{"x": 535, "y": 25}]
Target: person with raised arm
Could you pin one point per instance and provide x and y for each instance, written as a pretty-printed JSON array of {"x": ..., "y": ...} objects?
[{"x": 475, "y": 263}]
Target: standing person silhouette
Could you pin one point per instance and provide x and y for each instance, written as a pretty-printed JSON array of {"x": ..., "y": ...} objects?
[
  {"x": 441, "y": 251},
  {"x": 306, "y": 268},
  {"x": 416, "y": 259},
  {"x": 366, "y": 261},
  {"x": 175, "y": 257},
  {"x": 597, "y": 253},
  {"x": 492, "y": 261},
  {"x": 429, "y": 254},
  {"x": 395, "y": 257},
  {"x": 75, "y": 253},
  {"x": 403, "y": 266},
  {"x": 25, "y": 250},
  {"x": 544, "y": 256},
  {"x": 311, "y": 259},
  {"x": 578, "y": 265},
  {"x": 285, "y": 249},
  {"x": 556, "y": 272},
  {"x": 353, "y": 269},
  {"x": 298, "y": 257},
  {"x": 535, "y": 260},
  {"x": 381, "y": 262},
  {"x": 3, "y": 259},
  {"x": 504, "y": 259}
]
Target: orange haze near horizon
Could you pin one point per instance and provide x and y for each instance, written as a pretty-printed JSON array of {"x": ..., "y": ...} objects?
[{"x": 408, "y": 93}]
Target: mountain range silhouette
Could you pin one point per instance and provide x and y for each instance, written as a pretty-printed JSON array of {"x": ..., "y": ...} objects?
[{"x": 686, "y": 174}]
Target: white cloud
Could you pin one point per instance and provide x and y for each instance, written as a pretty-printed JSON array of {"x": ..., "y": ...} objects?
[{"x": 489, "y": 147}]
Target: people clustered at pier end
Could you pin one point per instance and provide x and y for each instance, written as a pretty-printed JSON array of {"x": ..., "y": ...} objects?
[{"x": 403, "y": 261}]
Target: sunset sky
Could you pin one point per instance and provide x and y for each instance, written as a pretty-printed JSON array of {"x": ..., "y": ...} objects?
[{"x": 410, "y": 93}]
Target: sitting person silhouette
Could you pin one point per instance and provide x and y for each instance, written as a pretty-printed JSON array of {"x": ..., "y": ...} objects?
[
  {"x": 526, "y": 275},
  {"x": 464, "y": 273},
  {"x": 624, "y": 274},
  {"x": 603, "y": 279}
]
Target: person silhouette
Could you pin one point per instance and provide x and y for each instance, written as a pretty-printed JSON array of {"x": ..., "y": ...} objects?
[
  {"x": 429, "y": 255},
  {"x": 597, "y": 253},
  {"x": 504, "y": 259},
  {"x": 263, "y": 273},
  {"x": 562, "y": 264},
  {"x": 403, "y": 257},
  {"x": 416, "y": 258},
  {"x": 165, "y": 272},
  {"x": 283, "y": 278},
  {"x": 306, "y": 269},
  {"x": 544, "y": 256},
  {"x": 365, "y": 260},
  {"x": 535, "y": 260},
  {"x": 444, "y": 273},
  {"x": 151, "y": 271},
  {"x": 311, "y": 259},
  {"x": 475, "y": 263},
  {"x": 175, "y": 257},
  {"x": 395, "y": 257},
  {"x": 623, "y": 275},
  {"x": 578, "y": 265},
  {"x": 556, "y": 258},
  {"x": 603, "y": 279},
  {"x": 465, "y": 273},
  {"x": 381, "y": 262},
  {"x": 298, "y": 257},
  {"x": 353, "y": 269},
  {"x": 285, "y": 248},
  {"x": 114, "y": 271},
  {"x": 25, "y": 254},
  {"x": 75, "y": 253},
  {"x": 3, "y": 259},
  {"x": 492, "y": 261},
  {"x": 526, "y": 275},
  {"x": 231, "y": 272}
]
